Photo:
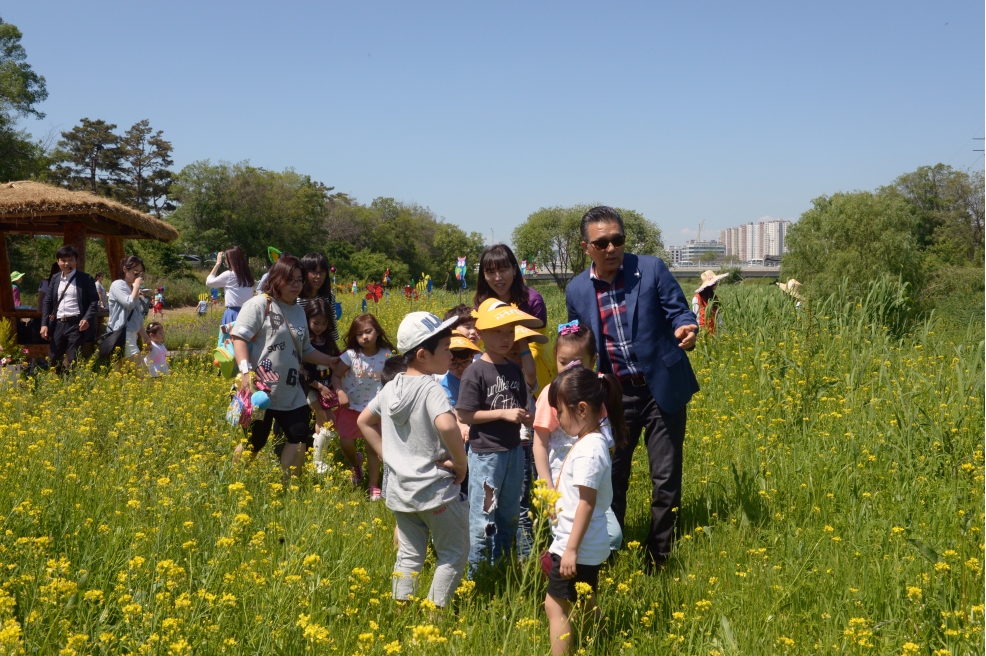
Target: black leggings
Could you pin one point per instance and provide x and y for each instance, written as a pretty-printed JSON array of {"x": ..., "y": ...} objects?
[{"x": 296, "y": 424}]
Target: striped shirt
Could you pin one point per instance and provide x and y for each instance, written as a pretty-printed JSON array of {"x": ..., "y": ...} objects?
[{"x": 618, "y": 357}]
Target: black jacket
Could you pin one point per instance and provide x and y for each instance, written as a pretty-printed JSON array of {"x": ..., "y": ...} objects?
[{"x": 88, "y": 299}]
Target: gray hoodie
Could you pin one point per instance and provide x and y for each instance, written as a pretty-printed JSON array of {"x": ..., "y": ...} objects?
[{"x": 408, "y": 407}]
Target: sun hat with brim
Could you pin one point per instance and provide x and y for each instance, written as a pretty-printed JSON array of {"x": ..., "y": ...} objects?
[
  {"x": 710, "y": 278},
  {"x": 417, "y": 327},
  {"x": 494, "y": 313},
  {"x": 15, "y": 276},
  {"x": 792, "y": 287},
  {"x": 522, "y": 332},
  {"x": 460, "y": 343}
]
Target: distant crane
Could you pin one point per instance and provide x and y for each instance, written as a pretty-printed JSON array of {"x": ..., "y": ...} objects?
[{"x": 700, "y": 225}]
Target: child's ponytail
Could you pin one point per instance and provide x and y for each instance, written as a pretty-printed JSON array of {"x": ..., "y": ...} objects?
[
  {"x": 614, "y": 408},
  {"x": 580, "y": 385}
]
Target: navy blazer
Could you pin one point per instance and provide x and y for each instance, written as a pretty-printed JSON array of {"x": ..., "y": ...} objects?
[
  {"x": 88, "y": 298},
  {"x": 656, "y": 306}
]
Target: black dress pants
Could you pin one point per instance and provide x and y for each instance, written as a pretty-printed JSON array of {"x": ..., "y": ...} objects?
[
  {"x": 664, "y": 433},
  {"x": 65, "y": 338}
]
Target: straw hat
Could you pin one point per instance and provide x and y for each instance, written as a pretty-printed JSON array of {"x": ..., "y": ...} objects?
[
  {"x": 521, "y": 332},
  {"x": 15, "y": 276},
  {"x": 493, "y": 313},
  {"x": 792, "y": 287},
  {"x": 710, "y": 278},
  {"x": 461, "y": 343}
]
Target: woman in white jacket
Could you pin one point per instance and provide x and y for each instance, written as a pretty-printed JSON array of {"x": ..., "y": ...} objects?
[{"x": 236, "y": 281}]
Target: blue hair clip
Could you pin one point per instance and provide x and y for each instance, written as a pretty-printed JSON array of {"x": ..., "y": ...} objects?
[{"x": 568, "y": 328}]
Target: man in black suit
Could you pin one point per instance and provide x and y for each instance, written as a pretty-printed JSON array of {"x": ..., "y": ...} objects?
[{"x": 69, "y": 310}]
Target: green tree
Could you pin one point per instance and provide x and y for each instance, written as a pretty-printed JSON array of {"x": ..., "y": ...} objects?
[
  {"x": 21, "y": 90},
  {"x": 144, "y": 178},
  {"x": 88, "y": 157},
  {"x": 708, "y": 257},
  {"x": 857, "y": 236},
  {"x": 451, "y": 243}
]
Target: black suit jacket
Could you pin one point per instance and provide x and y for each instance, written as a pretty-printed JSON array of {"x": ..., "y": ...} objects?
[{"x": 87, "y": 295}]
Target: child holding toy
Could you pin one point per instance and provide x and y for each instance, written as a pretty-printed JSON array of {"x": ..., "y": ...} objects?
[
  {"x": 493, "y": 400},
  {"x": 410, "y": 424},
  {"x": 321, "y": 397},
  {"x": 357, "y": 379},
  {"x": 581, "y": 540}
]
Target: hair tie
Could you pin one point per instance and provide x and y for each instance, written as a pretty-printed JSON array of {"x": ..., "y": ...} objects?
[
  {"x": 573, "y": 364},
  {"x": 569, "y": 328},
  {"x": 601, "y": 375}
]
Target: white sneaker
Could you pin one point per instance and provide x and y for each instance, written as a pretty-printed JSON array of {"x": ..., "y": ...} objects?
[{"x": 320, "y": 465}]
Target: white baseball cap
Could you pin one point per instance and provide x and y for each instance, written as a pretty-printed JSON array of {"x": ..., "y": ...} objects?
[{"x": 419, "y": 326}]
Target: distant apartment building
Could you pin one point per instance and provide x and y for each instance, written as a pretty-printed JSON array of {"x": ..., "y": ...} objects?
[
  {"x": 692, "y": 249},
  {"x": 755, "y": 241}
]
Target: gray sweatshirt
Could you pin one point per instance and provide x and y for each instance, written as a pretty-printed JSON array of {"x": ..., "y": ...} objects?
[{"x": 408, "y": 407}]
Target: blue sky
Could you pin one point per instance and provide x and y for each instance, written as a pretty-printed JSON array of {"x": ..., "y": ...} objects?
[{"x": 486, "y": 111}]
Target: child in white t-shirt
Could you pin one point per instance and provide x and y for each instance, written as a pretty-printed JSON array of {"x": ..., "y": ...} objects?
[
  {"x": 357, "y": 381},
  {"x": 157, "y": 358},
  {"x": 581, "y": 540}
]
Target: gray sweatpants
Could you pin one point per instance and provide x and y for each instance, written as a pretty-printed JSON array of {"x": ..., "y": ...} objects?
[{"x": 448, "y": 527}]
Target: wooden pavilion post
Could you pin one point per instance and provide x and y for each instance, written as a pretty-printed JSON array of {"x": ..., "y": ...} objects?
[
  {"x": 114, "y": 253},
  {"x": 6, "y": 290},
  {"x": 75, "y": 235}
]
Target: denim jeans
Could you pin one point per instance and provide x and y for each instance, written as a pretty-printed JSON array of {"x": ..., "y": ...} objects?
[
  {"x": 525, "y": 526},
  {"x": 495, "y": 481}
]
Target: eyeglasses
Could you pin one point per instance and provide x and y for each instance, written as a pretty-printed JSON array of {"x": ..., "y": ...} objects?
[
  {"x": 296, "y": 281},
  {"x": 603, "y": 244}
]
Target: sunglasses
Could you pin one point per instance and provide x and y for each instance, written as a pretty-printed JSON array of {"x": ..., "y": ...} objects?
[{"x": 603, "y": 244}]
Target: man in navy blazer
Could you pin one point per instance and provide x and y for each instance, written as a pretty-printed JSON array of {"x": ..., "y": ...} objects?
[
  {"x": 643, "y": 326},
  {"x": 68, "y": 314}
]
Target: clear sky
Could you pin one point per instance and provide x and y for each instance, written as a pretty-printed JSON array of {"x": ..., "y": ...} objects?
[{"x": 486, "y": 111}]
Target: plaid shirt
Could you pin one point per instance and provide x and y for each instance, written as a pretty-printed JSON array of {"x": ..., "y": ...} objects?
[{"x": 618, "y": 357}]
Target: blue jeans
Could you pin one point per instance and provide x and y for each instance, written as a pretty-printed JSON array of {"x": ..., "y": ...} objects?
[
  {"x": 495, "y": 481},
  {"x": 525, "y": 526}
]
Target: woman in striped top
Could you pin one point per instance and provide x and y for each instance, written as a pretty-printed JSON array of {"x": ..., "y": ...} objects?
[{"x": 319, "y": 285}]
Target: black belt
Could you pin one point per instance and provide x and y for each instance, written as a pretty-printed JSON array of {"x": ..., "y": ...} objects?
[
  {"x": 76, "y": 319},
  {"x": 635, "y": 381}
]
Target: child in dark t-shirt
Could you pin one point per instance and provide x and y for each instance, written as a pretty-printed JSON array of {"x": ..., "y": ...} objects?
[{"x": 493, "y": 400}]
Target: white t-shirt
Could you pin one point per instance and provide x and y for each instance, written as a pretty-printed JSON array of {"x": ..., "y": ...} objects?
[
  {"x": 589, "y": 465},
  {"x": 156, "y": 360},
  {"x": 235, "y": 295},
  {"x": 362, "y": 381}
]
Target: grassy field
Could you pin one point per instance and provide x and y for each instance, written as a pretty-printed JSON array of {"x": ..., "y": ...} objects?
[{"x": 833, "y": 502}]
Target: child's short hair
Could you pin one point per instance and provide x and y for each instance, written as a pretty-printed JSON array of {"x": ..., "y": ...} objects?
[
  {"x": 154, "y": 328},
  {"x": 581, "y": 385},
  {"x": 429, "y": 345},
  {"x": 362, "y": 322},
  {"x": 462, "y": 313},
  {"x": 391, "y": 368},
  {"x": 582, "y": 338}
]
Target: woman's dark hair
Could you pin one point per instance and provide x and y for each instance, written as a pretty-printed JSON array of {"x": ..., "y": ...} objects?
[
  {"x": 319, "y": 307},
  {"x": 429, "y": 345},
  {"x": 237, "y": 263},
  {"x": 280, "y": 274},
  {"x": 496, "y": 257},
  {"x": 54, "y": 269},
  {"x": 66, "y": 252},
  {"x": 708, "y": 293},
  {"x": 128, "y": 263},
  {"x": 366, "y": 321},
  {"x": 313, "y": 262},
  {"x": 582, "y": 338},
  {"x": 153, "y": 327},
  {"x": 599, "y": 214},
  {"x": 582, "y": 385},
  {"x": 391, "y": 368}
]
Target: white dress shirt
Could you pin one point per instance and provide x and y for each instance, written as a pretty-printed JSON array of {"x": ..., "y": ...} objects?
[{"x": 69, "y": 307}]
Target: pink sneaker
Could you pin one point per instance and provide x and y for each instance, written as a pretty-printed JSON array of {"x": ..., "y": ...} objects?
[
  {"x": 357, "y": 477},
  {"x": 375, "y": 494}
]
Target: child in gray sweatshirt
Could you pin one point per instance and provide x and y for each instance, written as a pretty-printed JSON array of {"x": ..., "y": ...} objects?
[{"x": 411, "y": 427}]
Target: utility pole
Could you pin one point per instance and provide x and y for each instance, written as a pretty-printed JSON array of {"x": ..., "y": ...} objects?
[{"x": 978, "y": 150}]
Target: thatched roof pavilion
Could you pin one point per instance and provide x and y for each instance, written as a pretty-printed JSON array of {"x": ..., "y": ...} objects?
[{"x": 35, "y": 208}]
